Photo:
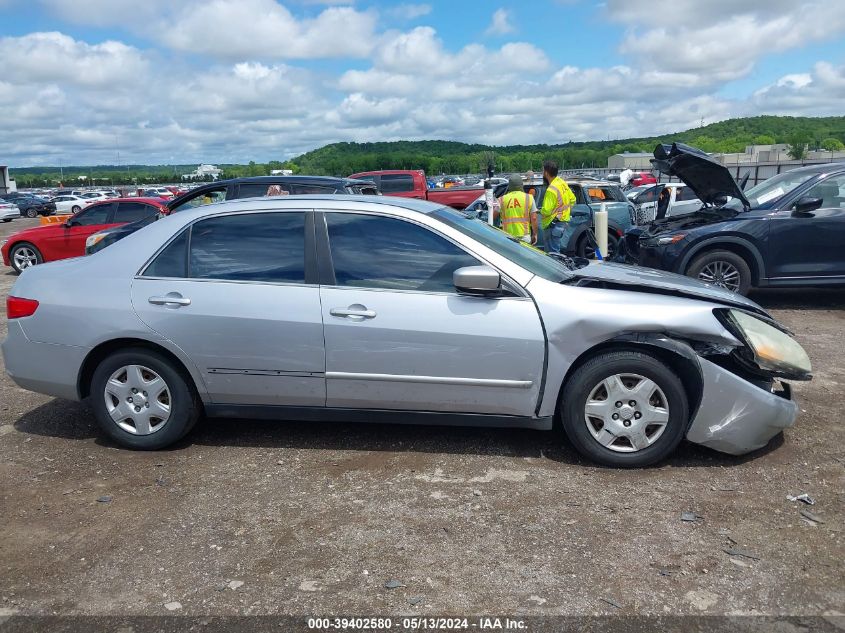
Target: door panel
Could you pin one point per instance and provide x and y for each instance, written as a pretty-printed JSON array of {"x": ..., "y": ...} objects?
[
  {"x": 811, "y": 245},
  {"x": 239, "y": 307},
  {"x": 253, "y": 343},
  {"x": 399, "y": 336},
  {"x": 432, "y": 352},
  {"x": 69, "y": 241}
]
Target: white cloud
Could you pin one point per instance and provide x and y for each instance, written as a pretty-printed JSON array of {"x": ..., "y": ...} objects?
[
  {"x": 501, "y": 23},
  {"x": 721, "y": 40}
]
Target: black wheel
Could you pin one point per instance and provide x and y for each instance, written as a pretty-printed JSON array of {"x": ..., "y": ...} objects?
[
  {"x": 24, "y": 255},
  {"x": 7, "y": 219},
  {"x": 76, "y": 208},
  {"x": 32, "y": 212},
  {"x": 587, "y": 245},
  {"x": 724, "y": 269},
  {"x": 625, "y": 409},
  {"x": 142, "y": 401}
]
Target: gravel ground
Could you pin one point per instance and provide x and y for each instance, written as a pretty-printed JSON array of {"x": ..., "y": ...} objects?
[{"x": 303, "y": 518}]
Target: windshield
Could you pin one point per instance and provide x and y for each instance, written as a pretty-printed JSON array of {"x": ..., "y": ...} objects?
[
  {"x": 530, "y": 258},
  {"x": 769, "y": 191}
]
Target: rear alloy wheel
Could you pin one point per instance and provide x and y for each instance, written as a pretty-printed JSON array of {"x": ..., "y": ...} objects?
[
  {"x": 32, "y": 212},
  {"x": 24, "y": 255},
  {"x": 142, "y": 401},
  {"x": 76, "y": 208},
  {"x": 625, "y": 409},
  {"x": 724, "y": 269}
]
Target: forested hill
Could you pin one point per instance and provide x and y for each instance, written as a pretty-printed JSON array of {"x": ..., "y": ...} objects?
[{"x": 452, "y": 157}]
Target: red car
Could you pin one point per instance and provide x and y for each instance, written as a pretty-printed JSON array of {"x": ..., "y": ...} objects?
[
  {"x": 50, "y": 242},
  {"x": 412, "y": 183},
  {"x": 642, "y": 178}
]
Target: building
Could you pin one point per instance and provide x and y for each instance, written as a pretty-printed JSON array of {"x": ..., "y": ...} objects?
[
  {"x": 7, "y": 184},
  {"x": 630, "y": 160},
  {"x": 281, "y": 172},
  {"x": 203, "y": 172}
]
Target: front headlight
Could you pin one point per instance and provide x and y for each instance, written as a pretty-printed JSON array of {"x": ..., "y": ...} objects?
[
  {"x": 670, "y": 239},
  {"x": 773, "y": 349},
  {"x": 96, "y": 238}
]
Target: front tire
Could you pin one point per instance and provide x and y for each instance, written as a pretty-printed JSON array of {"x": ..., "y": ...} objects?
[
  {"x": 7, "y": 219},
  {"x": 23, "y": 256},
  {"x": 725, "y": 269},
  {"x": 624, "y": 409},
  {"x": 32, "y": 212},
  {"x": 143, "y": 401},
  {"x": 587, "y": 246}
]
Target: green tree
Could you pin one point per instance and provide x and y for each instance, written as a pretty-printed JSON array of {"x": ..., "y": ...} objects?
[
  {"x": 833, "y": 145},
  {"x": 796, "y": 144},
  {"x": 764, "y": 139}
]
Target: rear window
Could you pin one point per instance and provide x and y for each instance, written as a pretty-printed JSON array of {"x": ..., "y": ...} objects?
[{"x": 397, "y": 183}]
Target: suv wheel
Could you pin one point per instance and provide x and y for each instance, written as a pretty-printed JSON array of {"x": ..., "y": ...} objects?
[
  {"x": 725, "y": 269},
  {"x": 624, "y": 409},
  {"x": 142, "y": 401},
  {"x": 24, "y": 255},
  {"x": 587, "y": 246}
]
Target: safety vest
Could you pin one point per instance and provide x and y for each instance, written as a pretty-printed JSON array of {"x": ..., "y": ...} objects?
[
  {"x": 515, "y": 213},
  {"x": 564, "y": 199}
]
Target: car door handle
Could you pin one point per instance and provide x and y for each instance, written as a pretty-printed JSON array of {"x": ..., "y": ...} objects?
[
  {"x": 355, "y": 312},
  {"x": 170, "y": 299}
]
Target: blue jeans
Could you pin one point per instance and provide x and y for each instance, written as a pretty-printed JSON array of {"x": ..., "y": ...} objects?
[{"x": 552, "y": 235}]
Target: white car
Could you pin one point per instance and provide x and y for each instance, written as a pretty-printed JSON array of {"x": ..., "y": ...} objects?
[
  {"x": 97, "y": 195},
  {"x": 8, "y": 211},
  {"x": 682, "y": 200},
  {"x": 72, "y": 204}
]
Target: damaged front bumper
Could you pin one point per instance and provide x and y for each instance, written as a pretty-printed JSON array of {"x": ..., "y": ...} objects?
[{"x": 736, "y": 416}]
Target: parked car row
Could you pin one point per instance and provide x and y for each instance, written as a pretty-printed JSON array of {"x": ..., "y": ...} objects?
[{"x": 99, "y": 223}]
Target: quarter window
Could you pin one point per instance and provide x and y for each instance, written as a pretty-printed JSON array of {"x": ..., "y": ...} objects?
[{"x": 378, "y": 252}]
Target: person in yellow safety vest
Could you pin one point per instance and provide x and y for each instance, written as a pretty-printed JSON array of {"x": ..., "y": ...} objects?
[
  {"x": 557, "y": 207},
  {"x": 517, "y": 212}
]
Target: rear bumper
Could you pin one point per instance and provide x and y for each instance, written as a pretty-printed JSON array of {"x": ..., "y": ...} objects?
[
  {"x": 736, "y": 416},
  {"x": 42, "y": 367},
  {"x": 8, "y": 214}
]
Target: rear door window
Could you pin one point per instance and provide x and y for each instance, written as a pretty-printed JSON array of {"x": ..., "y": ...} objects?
[
  {"x": 133, "y": 211},
  {"x": 200, "y": 199},
  {"x": 267, "y": 247},
  {"x": 397, "y": 183},
  {"x": 259, "y": 190}
]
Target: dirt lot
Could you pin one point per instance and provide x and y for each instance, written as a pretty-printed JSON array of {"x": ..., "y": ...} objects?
[{"x": 263, "y": 518}]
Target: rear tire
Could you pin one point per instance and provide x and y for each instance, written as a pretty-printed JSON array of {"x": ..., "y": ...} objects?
[
  {"x": 640, "y": 434},
  {"x": 725, "y": 269},
  {"x": 587, "y": 246},
  {"x": 24, "y": 255},
  {"x": 132, "y": 386},
  {"x": 7, "y": 219},
  {"x": 76, "y": 208}
]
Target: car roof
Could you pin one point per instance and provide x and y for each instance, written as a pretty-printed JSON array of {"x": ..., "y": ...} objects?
[
  {"x": 333, "y": 202},
  {"x": 156, "y": 201},
  {"x": 821, "y": 168}
]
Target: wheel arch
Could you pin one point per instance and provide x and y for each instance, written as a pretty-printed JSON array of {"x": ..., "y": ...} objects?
[
  {"x": 677, "y": 354},
  {"x": 106, "y": 348},
  {"x": 738, "y": 245}
]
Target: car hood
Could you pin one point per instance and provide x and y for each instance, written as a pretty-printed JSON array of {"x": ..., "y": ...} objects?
[
  {"x": 711, "y": 181},
  {"x": 634, "y": 278},
  {"x": 37, "y": 232}
]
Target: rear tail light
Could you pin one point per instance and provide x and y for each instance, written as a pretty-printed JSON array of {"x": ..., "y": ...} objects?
[{"x": 16, "y": 307}]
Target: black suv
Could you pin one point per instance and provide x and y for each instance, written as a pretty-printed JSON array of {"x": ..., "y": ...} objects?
[
  {"x": 786, "y": 231},
  {"x": 31, "y": 206},
  {"x": 235, "y": 188}
]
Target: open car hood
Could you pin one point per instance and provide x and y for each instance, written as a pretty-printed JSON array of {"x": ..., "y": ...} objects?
[
  {"x": 711, "y": 181},
  {"x": 634, "y": 278}
]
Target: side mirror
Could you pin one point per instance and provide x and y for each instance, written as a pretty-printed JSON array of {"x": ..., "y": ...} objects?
[
  {"x": 477, "y": 280},
  {"x": 71, "y": 223},
  {"x": 806, "y": 205}
]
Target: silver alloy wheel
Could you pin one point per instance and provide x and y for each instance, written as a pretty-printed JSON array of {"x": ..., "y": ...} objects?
[
  {"x": 721, "y": 273},
  {"x": 24, "y": 257},
  {"x": 626, "y": 413},
  {"x": 138, "y": 400}
]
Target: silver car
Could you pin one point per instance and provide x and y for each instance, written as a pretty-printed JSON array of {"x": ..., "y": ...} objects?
[{"x": 383, "y": 309}]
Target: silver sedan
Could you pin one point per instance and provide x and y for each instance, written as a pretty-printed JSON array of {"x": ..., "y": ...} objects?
[{"x": 395, "y": 310}]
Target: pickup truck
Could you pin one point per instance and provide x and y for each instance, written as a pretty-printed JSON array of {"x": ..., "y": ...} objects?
[{"x": 412, "y": 183}]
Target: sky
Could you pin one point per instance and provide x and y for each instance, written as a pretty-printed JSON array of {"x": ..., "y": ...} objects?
[{"x": 86, "y": 82}]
